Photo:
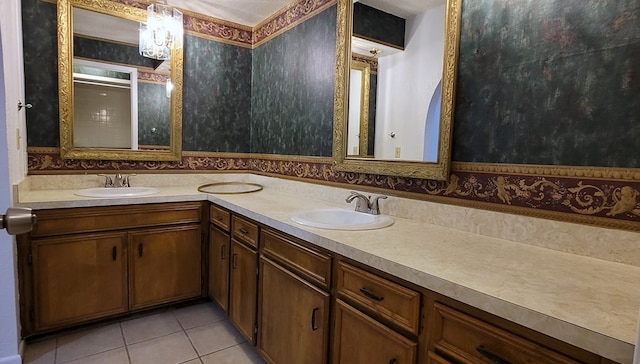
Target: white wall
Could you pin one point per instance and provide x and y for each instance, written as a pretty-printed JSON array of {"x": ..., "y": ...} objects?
[
  {"x": 12, "y": 170},
  {"x": 355, "y": 101},
  {"x": 406, "y": 82}
]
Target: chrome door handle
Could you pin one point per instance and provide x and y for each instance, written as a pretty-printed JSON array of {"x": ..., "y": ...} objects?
[{"x": 18, "y": 220}]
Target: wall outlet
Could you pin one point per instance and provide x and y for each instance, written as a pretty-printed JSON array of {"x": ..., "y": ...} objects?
[{"x": 397, "y": 152}]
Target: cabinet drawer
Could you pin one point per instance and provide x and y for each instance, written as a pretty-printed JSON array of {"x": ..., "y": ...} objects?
[
  {"x": 220, "y": 217},
  {"x": 313, "y": 265},
  {"x": 92, "y": 219},
  {"x": 467, "y": 339},
  {"x": 433, "y": 358},
  {"x": 377, "y": 295},
  {"x": 359, "y": 339},
  {"x": 245, "y": 231}
]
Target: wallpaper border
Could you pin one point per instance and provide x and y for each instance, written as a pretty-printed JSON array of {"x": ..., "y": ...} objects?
[{"x": 611, "y": 203}]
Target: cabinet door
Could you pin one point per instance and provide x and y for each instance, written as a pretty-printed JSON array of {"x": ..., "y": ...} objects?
[
  {"x": 244, "y": 289},
  {"x": 165, "y": 265},
  {"x": 359, "y": 339},
  {"x": 78, "y": 278},
  {"x": 294, "y": 317},
  {"x": 219, "y": 267}
]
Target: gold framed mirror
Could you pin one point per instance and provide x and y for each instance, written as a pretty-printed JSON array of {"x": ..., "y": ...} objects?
[
  {"x": 88, "y": 131},
  {"x": 436, "y": 168},
  {"x": 358, "y": 133}
]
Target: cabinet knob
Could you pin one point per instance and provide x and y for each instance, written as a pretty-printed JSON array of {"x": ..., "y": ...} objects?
[
  {"x": 371, "y": 295},
  {"x": 314, "y": 313}
]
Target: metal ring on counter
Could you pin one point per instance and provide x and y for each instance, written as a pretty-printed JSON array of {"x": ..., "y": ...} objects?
[{"x": 251, "y": 187}]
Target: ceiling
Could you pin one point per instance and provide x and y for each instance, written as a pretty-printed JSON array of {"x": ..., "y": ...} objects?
[
  {"x": 246, "y": 12},
  {"x": 253, "y": 12}
]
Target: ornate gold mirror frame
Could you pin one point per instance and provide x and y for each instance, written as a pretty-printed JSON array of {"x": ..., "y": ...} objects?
[
  {"x": 65, "y": 79},
  {"x": 438, "y": 170}
]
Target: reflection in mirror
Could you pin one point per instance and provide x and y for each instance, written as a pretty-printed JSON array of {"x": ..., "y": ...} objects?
[
  {"x": 358, "y": 133},
  {"x": 105, "y": 99},
  {"x": 114, "y": 103},
  {"x": 414, "y": 89},
  {"x": 406, "y": 79}
]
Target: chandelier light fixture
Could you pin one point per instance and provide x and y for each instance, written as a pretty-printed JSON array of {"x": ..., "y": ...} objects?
[{"x": 162, "y": 32}]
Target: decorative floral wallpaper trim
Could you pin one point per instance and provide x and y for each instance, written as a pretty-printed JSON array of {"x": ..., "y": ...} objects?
[
  {"x": 287, "y": 18},
  {"x": 47, "y": 161},
  {"x": 152, "y": 77},
  {"x": 242, "y": 35},
  {"x": 610, "y": 203},
  {"x": 217, "y": 29}
]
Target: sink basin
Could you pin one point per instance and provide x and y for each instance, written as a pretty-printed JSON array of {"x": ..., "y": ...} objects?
[
  {"x": 105, "y": 192},
  {"x": 340, "y": 219}
]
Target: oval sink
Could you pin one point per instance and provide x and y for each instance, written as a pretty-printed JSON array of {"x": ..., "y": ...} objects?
[
  {"x": 105, "y": 192},
  {"x": 340, "y": 219}
]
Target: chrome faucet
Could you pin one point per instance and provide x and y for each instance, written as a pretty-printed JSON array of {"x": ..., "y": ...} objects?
[
  {"x": 364, "y": 203},
  {"x": 119, "y": 180}
]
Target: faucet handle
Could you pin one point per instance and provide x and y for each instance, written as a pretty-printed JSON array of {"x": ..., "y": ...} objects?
[
  {"x": 375, "y": 207},
  {"x": 108, "y": 182},
  {"x": 125, "y": 180}
]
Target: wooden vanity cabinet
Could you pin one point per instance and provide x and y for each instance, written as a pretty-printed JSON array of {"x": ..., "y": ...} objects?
[
  {"x": 83, "y": 264},
  {"x": 164, "y": 265},
  {"x": 219, "y": 256},
  {"x": 376, "y": 320},
  {"x": 459, "y": 333},
  {"x": 294, "y": 302},
  {"x": 78, "y": 278},
  {"x": 243, "y": 282}
]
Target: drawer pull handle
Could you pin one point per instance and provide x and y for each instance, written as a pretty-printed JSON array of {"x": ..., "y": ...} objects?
[
  {"x": 393, "y": 361},
  {"x": 219, "y": 218},
  {"x": 140, "y": 250},
  {"x": 114, "y": 253},
  {"x": 234, "y": 261},
  {"x": 244, "y": 231},
  {"x": 371, "y": 295},
  {"x": 491, "y": 356},
  {"x": 314, "y": 327},
  {"x": 223, "y": 252}
]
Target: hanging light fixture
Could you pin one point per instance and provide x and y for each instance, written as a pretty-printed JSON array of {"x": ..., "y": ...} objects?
[{"x": 162, "y": 32}]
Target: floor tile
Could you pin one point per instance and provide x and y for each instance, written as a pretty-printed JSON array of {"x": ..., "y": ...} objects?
[
  {"x": 40, "y": 352},
  {"x": 171, "y": 349},
  {"x": 149, "y": 327},
  {"x": 115, "y": 356},
  {"x": 194, "y": 361},
  {"x": 198, "y": 315},
  {"x": 88, "y": 342},
  {"x": 240, "y": 354},
  {"x": 214, "y": 337}
]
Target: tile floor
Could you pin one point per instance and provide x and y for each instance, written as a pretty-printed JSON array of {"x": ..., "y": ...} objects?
[{"x": 199, "y": 334}]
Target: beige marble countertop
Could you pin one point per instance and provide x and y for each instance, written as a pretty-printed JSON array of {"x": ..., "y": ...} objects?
[{"x": 587, "y": 302}]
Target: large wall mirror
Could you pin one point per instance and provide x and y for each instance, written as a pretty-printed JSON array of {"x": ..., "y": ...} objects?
[
  {"x": 114, "y": 103},
  {"x": 394, "y": 103}
]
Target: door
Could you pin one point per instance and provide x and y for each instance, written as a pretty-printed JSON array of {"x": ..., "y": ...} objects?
[
  {"x": 219, "y": 267},
  {"x": 244, "y": 289},
  {"x": 10, "y": 75},
  {"x": 79, "y": 278},
  {"x": 294, "y": 317},
  {"x": 165, "y": 265}
]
